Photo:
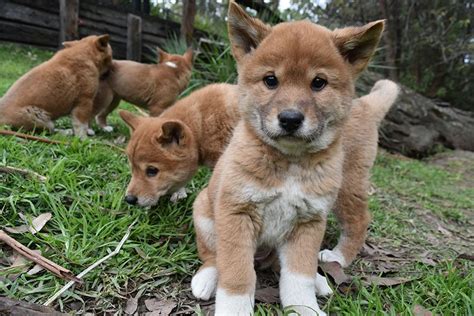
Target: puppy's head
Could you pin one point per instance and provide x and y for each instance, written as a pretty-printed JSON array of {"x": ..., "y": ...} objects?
[
  {"x": 97, "y": 47},
  {"x": 163, "y": 157},
  {"x": 296, "y": 79},
  {"x": 181, "y": 63}
]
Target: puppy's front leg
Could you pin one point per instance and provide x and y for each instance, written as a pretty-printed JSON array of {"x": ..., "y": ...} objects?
[
  {"x": 236, "y": 244},
  {"x": 81, "y": 115},
  {"x": 298, "y": 259}
]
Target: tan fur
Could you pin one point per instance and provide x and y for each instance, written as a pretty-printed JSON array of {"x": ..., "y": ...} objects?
[
  {"x": 151, "y": 86},
  {"x": 274, "y": 189},
  {"x": 205, "y": 121},
  {"x": 65, "y": 84}
]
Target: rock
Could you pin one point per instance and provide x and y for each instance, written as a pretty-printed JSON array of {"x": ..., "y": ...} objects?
[{"x": 417, "y": 126}]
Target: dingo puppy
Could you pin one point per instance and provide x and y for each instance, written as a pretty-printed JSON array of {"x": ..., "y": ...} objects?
[
  {"x": 152, "y": 86},
  {"x": 165, "y": 151},
  {"x": 288, "y": 159},
  {"x": 65, "y": 84}
]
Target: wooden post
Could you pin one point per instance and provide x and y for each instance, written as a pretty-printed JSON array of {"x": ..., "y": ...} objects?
[
  {"x": 134, "y": 37},
  {"x": 68, "y": 20},
  {"x": 187, "y": 23}
]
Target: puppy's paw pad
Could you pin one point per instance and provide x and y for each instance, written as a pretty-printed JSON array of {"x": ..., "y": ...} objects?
[
  {"x": 90, "y": 132},
  {"x": 322, "y": 286},
  {"x": 108, "y": 129},
  {"x": 178, "y": 195},
  {"x": 332, "y": 256},
  {"x": 204, "y": 283}
]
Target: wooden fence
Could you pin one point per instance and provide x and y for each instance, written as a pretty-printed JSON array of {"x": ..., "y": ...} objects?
[{"x": 37, "y": 22}]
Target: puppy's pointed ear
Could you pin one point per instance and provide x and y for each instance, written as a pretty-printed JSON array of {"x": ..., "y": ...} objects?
[
  {"x": 130, "y": 119},
  {"x": 102, "y": 42},
  {"x": 357, "y": 44},
  {"x": 162, "y": 55},
  {"x": 188, "y": 56},
  {"x": 172, "y": 133},
  {"x": 245, "y": 32}
]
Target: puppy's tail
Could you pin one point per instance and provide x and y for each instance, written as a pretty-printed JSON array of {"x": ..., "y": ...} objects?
[{"x": 381, "y": 98}]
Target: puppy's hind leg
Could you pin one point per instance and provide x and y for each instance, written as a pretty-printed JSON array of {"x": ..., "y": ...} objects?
[
  {"x": 101, "y": 118},
  {"x": 81, "y": 115},
  {"x": 204, "y": 282},
  {"x": 28, "y": 118}
]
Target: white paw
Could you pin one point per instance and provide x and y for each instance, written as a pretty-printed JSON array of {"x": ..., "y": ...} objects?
[
  {"x": 108, "y": 129},
  {"x": 322, "y": 286},
  {"x": 234, "y": 304},
  {"x": 204, "y": 283},
  {"x": 90, "y": 132},
  {"x": 178, "y": 195},
  {"x": 332, "y": 256}
]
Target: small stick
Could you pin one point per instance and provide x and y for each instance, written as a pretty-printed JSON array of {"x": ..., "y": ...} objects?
[
  {"x": 142, "y": 113},
  {"x": 25, "y": 172},
  {"x": 39, "y": 259},
  {"x": 90, "y": 268},
  {"x": 31, "y": 137}
]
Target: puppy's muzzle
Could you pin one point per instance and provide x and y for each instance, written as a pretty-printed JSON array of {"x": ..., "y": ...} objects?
[
  {"x": 290, "y": 120},
  {"x": 131, "y": 199}
]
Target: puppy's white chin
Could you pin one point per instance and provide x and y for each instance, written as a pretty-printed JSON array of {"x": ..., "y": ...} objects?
[{"x": 147, "y": 201}]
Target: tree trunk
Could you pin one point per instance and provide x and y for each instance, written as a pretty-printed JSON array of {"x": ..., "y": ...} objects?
[
  {"x": 391, "y": 39},
  {"x": 187, "y": 24},
  {"x": 417, "y": 127}
]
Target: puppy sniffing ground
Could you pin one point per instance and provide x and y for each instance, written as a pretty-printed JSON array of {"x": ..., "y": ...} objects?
[
  {"x": 65, "y": 84},
  {"x": 285, "y": 164}
]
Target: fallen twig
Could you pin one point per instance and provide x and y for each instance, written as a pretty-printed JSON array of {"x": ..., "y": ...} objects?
[
  {"x": 25, "y": 172},
  {"x": 142, "y": 113},
  {"x": 90, "y": 268},
  {"x": 42, "y": 261},
  {"x": 31, "y": 137}
]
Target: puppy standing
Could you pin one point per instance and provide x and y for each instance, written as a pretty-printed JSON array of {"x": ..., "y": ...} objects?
[
  {"x": 165, "y": 151},
  {"x": 65, "y": 84},
  {"x": 152, "y": 86},
  {"x": 282, "y": 171}
]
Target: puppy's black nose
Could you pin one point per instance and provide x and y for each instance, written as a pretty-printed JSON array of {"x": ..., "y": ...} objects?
[
  {"x": 131, "y": 199},
  {"x": 290, "y": 120}
]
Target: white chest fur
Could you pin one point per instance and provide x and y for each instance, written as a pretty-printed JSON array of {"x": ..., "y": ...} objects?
[{"x": 281, "y": 208}]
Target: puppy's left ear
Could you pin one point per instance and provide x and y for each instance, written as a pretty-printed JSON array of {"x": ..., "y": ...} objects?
[
  {"x": 357, "y": 44},
  {"x": 68, "y": 44},
  {"x": 162, "y": 55},
  {"x": 172, "y": 133},
  {"x": 102, "y": 42},
  {"x": 188, "y": 56},
  {"x": 245, "y": 32}
]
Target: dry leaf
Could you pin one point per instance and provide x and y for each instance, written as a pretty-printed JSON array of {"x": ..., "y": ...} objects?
[
  {"x": 383, "y": 281},
  {"x": 162, "y": 307},
  {"x": 36, "y": 269},
  {"x": 419, "y": 310},
  {"x": 336, "y": 272},
  {"x": 132, "y": 304},
  {"x": 268, "y": 295},
  {"x": 36, "y": 224}
]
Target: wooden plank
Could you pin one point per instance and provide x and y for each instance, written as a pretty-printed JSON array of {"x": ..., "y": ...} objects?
[
  {"x": 51, "y": 6},
  {"x": 134, "y": 37},
  {"x": 68, "y": 20},
  {"x": 112, "y": 17},
  {"x": 28, "y": 15},
  {"x": 28, "y": 34}
]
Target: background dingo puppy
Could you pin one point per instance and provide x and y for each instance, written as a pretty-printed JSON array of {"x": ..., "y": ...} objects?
[
  {"x": 165, "y": 151},
  {"x": 65, "y": 84},
  {"x": 282, "y": 170},
  {"x": 151, "y": 86}
]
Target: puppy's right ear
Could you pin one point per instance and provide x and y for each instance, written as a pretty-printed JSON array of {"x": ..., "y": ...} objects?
[
  {"x": 161, "y": 55},
  {"x": 245, "y": 32},
  {"x": 130, "y": 119},
  {"x": 102, "y": 42}
]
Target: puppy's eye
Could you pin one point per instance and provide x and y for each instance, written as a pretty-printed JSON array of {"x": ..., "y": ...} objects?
[
  {"x": 271, "y": 82},
  {"x": 318, "y": 84},
  {"x": 151, "y": 171}
]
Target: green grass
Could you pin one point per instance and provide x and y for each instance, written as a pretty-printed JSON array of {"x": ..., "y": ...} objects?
[{"x": 84, "y": 193}]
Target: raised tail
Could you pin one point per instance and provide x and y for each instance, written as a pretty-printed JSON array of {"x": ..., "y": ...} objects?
[{"x": 381, "y": 98}]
